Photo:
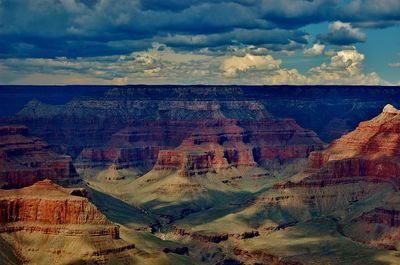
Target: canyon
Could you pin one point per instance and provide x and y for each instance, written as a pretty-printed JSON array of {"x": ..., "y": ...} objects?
[{"x": 202, "y": 175}]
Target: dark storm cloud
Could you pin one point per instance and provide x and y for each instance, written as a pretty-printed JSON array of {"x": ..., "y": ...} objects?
[
  {"x": 84, "y": 28},
  {"x": 371, "y": 13}
]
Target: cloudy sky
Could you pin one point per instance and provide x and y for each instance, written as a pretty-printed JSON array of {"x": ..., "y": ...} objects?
[{"x": 200, "y": 41}]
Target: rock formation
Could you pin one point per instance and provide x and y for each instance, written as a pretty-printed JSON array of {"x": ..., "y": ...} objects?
[
  {"x": 52, "y": 207},
  {"x": 213, "y": 145},
  {"x": 370, "y": 151},
  {"x": 45, "y": 212},
  {"x": 225, "y": 143},
  {"x": 356, "y": 178},
  {"x": 25, "y": 160},
  {"x": 201, "y": 145},
  {"x": 136, "y": 146}
]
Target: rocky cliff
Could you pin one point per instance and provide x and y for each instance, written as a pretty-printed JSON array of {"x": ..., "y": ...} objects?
[
  {"x": 356, "y": 179},
  {"x": 370, "y": 151},
  {"x": 25, "y": 160},
  {"x": 90, "y": 122},
  {"x": 213, "y": 145},
  {"x": 48, "y": 204},
  {"x": 202, "y": 145}
]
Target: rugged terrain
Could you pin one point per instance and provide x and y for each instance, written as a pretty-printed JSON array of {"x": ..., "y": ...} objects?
[{"x": 203, "y": 175}]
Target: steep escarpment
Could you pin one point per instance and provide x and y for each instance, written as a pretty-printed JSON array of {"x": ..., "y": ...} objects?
[
  {"x": 214, "y": 145},
  {"x": 46, "y": 203},
  {"x": 25, "y": 160},
  {"x": 136, "y": 146},
  {"x": 371, "y": 150},
  {"x": 46, "y": 212},
  {"x": 201, "y": 144},
  {"x": 279, "y": 139},
  {"x": 355, "y": 179},
  {"x": 225, "y": 143},
  {"x": 90, "y": 122}
]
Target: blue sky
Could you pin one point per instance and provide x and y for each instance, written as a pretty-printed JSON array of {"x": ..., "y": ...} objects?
[{"x": 200, "y": 41}]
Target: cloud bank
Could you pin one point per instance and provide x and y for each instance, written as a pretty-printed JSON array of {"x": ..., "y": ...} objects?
[{"x": 213, "y": 41}]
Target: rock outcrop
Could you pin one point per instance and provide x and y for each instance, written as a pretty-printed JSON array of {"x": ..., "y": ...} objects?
[
  {"x": 370, "y": 151},
  {"x": 136, "y": 146},
  {"x": 213, "y": 145},
  {"x": 225, "y": 143},
  {"x": 201, "y": 146},
  {"x": 46, "y": 218},
  {"x": 379, "y": 227},
  {"x": 49, "y": 208},
  {"x": 355, "y": 173},
  {"x": 25, "y": 160}
]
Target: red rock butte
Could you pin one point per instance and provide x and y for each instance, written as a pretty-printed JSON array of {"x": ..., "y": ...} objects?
[{"x": 49, "y": 208}]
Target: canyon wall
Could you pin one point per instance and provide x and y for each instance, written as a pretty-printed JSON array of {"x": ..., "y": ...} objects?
[{"x": 25, "y": 160}]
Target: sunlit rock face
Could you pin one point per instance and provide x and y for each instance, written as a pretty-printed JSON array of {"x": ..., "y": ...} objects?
[
  {"x": 224, "y": 143},
  {"x": 49, "y": 204},
  {"x": 35, "y": 218},
  {"x": 355, "y": 179},
  {"x": 25, "y": 160},
  {"x": 371, "y": 150}
]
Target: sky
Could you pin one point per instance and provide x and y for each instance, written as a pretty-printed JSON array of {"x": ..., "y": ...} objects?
[{"x": 260, "y": 42}]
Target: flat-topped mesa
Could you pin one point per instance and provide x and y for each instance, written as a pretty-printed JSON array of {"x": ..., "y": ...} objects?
[
  {"x": 49, "y": 208},
  {"x": 25, "y": 160}
]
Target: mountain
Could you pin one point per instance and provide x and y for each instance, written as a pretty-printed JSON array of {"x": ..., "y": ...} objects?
[{"x": 45, "y": 213}]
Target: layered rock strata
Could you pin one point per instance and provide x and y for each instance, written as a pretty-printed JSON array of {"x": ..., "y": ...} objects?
[
  {"x": 48, "y": 208},
  {"x": 225, "y": 143},
  {"x": 355, "y": 173},
  {"x": 25, "y": 160}
]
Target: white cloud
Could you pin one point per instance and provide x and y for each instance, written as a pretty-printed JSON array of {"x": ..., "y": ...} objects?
[
  {"x": 338, "y": 26},
  {"x": 161, "y": 64},
  {"x": 394, "y": 65},
  {"x": 315, "y": 50},
  {"x": 235, "y": 64},
  {"x": 346, "y": 67}
]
